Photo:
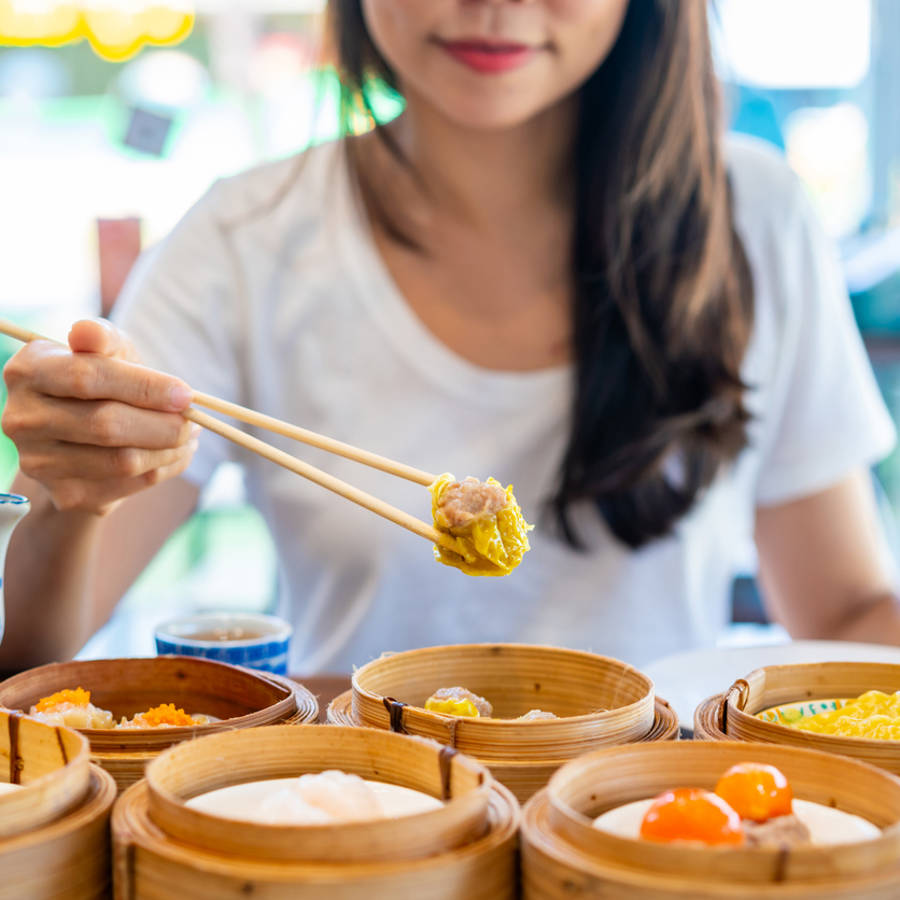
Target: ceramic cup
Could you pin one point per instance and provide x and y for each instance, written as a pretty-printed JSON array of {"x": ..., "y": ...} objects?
[
  {"x": 243, "y": 639},
  {"x": 13, "y": 508}
]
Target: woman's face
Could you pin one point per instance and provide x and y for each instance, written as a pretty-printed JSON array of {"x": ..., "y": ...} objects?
[{"x": 493, "y": 63}]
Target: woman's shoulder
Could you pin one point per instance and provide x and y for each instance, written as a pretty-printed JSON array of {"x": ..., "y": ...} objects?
[
  {"x": 767, "y": 193},
  {"x": 293, "y": 189}
]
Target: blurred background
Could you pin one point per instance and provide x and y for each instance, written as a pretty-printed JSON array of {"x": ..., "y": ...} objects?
[{"x": 116, "y": 115}]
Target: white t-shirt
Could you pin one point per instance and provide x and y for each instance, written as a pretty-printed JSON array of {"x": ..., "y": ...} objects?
[{"x": 272, "y": 294}]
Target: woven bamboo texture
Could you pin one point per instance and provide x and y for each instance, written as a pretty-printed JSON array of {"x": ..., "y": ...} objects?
[
  {"x": 195, "y": 767},
  {"x": 523, "y": 778},
  {"x": 67, "y": 859},
  {"x": 238, "y": 697},
  {"x": 564, "y": 856},
  {"x": 599, "y": 700},
  {"x": 732, "y": 716},
  {"x": 150, "y": 863},
  {"x": 51, "y": 765}
]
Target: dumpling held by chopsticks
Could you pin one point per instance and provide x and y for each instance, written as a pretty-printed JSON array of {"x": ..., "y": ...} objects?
[{"x": 489, "y": 531}]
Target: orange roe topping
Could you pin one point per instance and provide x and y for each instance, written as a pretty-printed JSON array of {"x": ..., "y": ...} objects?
[
  {"x": 164, "y": 714},
  {"x": 78, "y": 697},
  {"x": 692, "y": 814},
  {"x": 755, "y": 791}
]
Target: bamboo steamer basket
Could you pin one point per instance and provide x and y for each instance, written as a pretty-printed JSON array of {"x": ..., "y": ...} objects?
[
  {"x": 464, "y": 851},
  {"x": 732, "y": 715},
  {"x": 51, "y": 765},
  {"x": 68, "y": 858},
  {"x": 562, "y": 855},
  {"x": 240, "y": 698},
  {"x": 599, "y": 700},
  {"x": 523, "y": 778},
  {"x": 282, "y": 752}
]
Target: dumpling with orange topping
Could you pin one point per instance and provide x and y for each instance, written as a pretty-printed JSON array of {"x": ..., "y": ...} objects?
[
  {"x": 72, "y": 708},
  {"x": 489, "y": 534},
  {"x": 164, "y": 716}
]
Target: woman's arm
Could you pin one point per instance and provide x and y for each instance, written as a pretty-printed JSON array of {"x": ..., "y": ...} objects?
[
  {"x": 100, "y": 444},
  {"x": 822, "y": 566},
  {"x": 66, "y": 570}
]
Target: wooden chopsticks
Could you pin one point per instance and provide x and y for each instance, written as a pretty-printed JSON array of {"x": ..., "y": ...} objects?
[
  {"x": 295, "y": 432},
  {"x": 273, "y": 454}
]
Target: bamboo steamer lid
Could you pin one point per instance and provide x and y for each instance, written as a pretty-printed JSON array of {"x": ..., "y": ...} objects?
[
  {"x": 564, "y": 856},
  {"x": 52, "y": 766},
  {"x": 196, "y": 767},
  {"x": 240, "y": 698},
  {"x": 599, "y": 700},
  {"x": 67, "y": 859},
  {"x": 152, "y": 863},
  {"x": 733, "y": 715},
  {"x": 524, "y": 779}
]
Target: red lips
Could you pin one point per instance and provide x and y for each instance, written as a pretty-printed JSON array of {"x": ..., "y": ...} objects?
[{"x": 489, "y": 57}]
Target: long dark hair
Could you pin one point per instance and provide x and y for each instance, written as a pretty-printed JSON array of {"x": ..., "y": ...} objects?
[{"x": 663, "y": 300}]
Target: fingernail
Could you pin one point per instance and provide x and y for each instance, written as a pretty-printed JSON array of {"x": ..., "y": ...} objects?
[
  {"x": 180, "y": 397},
  {"x": 195, "y": 430},
  {"x": 192, "y": 446}
]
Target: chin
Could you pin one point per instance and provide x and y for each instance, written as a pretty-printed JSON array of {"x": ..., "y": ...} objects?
[{"x": 479, "y": 111}]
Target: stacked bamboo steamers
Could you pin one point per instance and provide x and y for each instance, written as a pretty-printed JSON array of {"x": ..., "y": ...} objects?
[
  {"x": 732, "y": 716},
  {"x": 62, "y": 835},
  {"x": 54, "y": 839},
  {"x": 599, "y": 701},
  {"x": 465, "y": 848},
  {"x": 564, "y": 856}
]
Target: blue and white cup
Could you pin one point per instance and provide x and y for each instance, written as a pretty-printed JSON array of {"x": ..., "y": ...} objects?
[{"x": 243, "y": 639}]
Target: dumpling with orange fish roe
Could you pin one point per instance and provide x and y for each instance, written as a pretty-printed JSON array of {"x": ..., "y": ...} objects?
[
  {"x": 163, "y": 716},
  {"x": 487, "y": 531},
  {"x": 72, "y": 708}
]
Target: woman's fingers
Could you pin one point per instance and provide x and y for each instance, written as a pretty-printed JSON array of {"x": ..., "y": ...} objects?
[
  {"x": 53, "y": 370},
  {"x": 61, "y": 461},
  {"x": 102, "y": 496},
  {"x": 91, "y": 424},
  {"x": 101, "y": 337},
  {"x": 104, "y": 423}
]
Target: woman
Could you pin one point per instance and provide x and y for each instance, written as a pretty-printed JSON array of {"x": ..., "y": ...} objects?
[{"x": 551, "y": 268}]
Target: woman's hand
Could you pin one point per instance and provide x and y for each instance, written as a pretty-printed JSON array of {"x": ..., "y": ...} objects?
[{"x": 92, "y": 425}]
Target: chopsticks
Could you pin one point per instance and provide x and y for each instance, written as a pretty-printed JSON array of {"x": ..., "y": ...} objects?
[
  {"x": 295, "y": 432},
  {"x": 279, "y": 457}
]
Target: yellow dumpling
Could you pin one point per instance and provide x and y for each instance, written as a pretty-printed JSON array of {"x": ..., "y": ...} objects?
[
  {"x": 490, "y": 534},
  {"x": 459, "y": 701}
]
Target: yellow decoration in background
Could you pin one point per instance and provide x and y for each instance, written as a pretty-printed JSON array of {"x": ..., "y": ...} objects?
[{"x": 115, "y": 29}]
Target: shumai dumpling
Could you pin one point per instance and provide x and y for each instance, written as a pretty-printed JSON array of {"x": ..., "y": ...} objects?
[
  {"x": 490, "y": 534},
  {"x": 72, "y": 708},
  {"x": 458, "y": 701}
]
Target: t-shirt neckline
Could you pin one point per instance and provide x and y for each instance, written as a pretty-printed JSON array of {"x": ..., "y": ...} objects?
[{"x": 409, "y": 335}]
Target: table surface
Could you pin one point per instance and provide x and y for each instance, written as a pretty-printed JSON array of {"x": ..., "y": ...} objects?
[{"x": 324, "y": 687}]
